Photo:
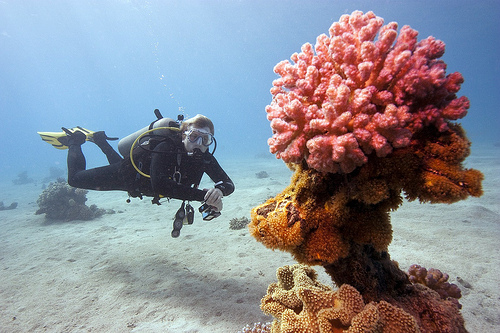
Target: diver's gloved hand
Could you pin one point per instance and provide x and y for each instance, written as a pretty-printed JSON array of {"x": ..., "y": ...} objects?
[{"x": 213, "y": 198}]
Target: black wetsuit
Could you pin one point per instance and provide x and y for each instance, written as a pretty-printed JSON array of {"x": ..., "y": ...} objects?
[{"x": 174, "y": 174}]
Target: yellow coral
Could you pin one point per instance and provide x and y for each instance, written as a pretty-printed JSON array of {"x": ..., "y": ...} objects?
[
  {"x": 395, "y": 320},
  {"x": 299, "y": 303},
  {"x": 282, "y": 295},
  {"x": 367, "y": 321}
]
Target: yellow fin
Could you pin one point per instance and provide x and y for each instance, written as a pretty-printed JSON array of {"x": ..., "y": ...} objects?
[{"x": 53, "y": 137}]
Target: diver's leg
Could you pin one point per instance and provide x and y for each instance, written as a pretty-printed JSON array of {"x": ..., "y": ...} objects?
[
  {"x": 106, "y": 178},
  {"x": 76, "y": 159},
  {"x": 103, "y": 178},
  {"x": 101, "y": 140}
]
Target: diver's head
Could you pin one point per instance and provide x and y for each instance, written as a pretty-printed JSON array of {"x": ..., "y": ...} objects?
[{"x": 197, "y": 133}]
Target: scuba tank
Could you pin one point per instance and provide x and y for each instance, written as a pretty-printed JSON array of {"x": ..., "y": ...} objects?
[{"x": 125, "y": 144}]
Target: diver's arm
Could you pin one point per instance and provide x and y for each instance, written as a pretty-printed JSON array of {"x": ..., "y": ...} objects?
[
  {"x": 220, "y": 177},
  {"x": 167, "y": 187},
  {"x": 171, "y": 189}
]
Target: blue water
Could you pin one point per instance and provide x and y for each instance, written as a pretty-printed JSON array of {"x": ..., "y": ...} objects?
[{"x": 106, "y": 65}]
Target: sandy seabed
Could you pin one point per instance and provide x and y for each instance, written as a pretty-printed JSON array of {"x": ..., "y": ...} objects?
[{"x": 123, "y": 272}]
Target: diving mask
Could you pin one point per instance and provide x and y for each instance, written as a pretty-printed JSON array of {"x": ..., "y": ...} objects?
[{"x": 199, "y": 137}]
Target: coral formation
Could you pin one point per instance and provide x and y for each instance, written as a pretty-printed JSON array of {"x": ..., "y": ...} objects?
[
  {"x": 437, "y": 281},
  {"x": 300, "y": 303},
  {"x": 238, "y": 223},
  {"x": 11, "y": 206},
  {"x": 22, "y": 178},
  {"x": 351, "y": 96},
  {"x": 262, "y": 174},
  {"x": 362, "y": 123},
  {"x": 59, "y": 201}
]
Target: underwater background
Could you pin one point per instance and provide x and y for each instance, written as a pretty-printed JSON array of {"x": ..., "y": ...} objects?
[{"x": 106, "y": 65}]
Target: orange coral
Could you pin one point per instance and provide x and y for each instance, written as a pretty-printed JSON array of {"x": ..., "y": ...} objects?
[
  {"x": 275, "y": 230},
  {"x": 441, "y": 177},
  {"x": 308, "y": 221},
  {"x": 318, "y": 216}
]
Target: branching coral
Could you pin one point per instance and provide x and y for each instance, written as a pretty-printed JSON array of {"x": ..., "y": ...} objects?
[
  {"x": 363, "y": 123},
  {"x": 300, "y": 303},
  {"x": 353, "y": 96},
  {"x": 59, "y": 201}
]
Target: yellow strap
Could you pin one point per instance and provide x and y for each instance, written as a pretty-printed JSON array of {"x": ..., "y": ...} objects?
[{"x": 137, "y": 140}]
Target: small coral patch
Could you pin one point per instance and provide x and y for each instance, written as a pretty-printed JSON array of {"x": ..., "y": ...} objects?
[{"x": 59, "y": 201}]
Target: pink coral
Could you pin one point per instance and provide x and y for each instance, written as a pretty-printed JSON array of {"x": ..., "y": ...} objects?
[
  {"x": 437, "y": 281},
  {"x": 352, "y": 96}
]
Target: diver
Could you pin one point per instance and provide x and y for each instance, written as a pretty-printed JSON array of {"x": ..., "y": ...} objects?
[{"x": 165, "y": 160}]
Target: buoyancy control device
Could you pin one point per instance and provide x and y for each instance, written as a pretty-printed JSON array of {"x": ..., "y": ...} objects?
[{"x": 162, "y": 126}]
